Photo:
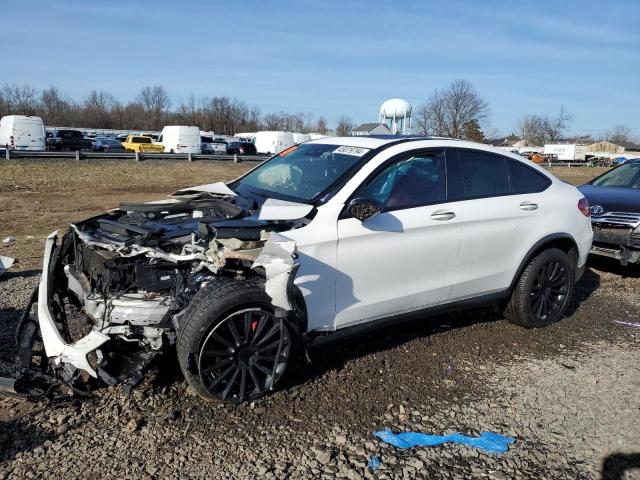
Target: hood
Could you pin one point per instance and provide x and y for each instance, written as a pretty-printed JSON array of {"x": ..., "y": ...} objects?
[{"x": 612, "y": 199}]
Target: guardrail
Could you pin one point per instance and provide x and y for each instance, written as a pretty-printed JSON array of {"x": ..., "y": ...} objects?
[{"x": 88, "y": 155}]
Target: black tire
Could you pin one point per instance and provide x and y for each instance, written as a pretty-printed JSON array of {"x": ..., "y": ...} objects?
[
  {"x": 543, "y": 290},
  {"x": 231, "y": 346}
]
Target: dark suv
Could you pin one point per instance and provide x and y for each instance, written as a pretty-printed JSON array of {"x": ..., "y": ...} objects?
[
  {"x": 241, "y": 148},
  {"x": 68, "y": 140}
]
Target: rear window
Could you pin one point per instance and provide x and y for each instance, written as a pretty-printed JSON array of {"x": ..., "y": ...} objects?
[
  {"x": 206, "y": 140},
  {"x": 525, "y": 179},
  {"x": 483, "y": 175},
  {"x": 140, "y": 140}
]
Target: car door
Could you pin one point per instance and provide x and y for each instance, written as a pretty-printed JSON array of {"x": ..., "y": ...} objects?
[
  {"x": 401, "y": 259},
  {"x": 503, "y": 211}
]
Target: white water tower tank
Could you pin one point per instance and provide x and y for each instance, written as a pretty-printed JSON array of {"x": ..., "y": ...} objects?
[{"x": 399, "y": 112}]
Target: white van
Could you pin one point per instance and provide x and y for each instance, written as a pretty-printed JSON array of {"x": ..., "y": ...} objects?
[
  {"x": 301, "y": 137},
  {"x": 180, "y": 139},
  {"x": 19, "y": 132},
  {"x": 273, "y": 141}
]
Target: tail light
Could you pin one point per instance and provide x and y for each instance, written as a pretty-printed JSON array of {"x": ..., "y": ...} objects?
[
  {"x": 583, "y": 206},
  {"x": 241, "y": 150},
  {"x": 12, "y": 141}
]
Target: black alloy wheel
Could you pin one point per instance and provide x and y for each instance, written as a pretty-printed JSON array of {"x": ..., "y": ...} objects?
[
  {"x": 549, "y": 292},
  {"x": 244, "y": 355}
]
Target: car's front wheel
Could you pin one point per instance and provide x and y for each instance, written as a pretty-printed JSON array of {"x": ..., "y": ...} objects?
[
  {"x": 543, "y": 290},
  {"x": 231, "y": 344}
]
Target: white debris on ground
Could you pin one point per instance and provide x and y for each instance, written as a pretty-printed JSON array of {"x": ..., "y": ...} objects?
[{"x": 5, "y": 263}]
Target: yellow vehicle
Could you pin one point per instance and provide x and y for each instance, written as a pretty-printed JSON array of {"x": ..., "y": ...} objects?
[{"x": 139, "y": 143}]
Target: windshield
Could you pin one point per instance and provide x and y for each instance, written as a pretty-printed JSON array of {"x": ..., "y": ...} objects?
[
  {"x": 625, "y": 176},
  {"x": 303, "y": 172}
]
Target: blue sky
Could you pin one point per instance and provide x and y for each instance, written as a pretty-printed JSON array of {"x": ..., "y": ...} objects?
[{"x": 331, "y": 58}]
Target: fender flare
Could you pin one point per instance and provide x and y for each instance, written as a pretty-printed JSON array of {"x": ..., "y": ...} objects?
[{"x": 539, "y": 246}]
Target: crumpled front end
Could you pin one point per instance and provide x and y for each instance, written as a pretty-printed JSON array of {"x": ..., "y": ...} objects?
[{"x": 114, "y": 287}]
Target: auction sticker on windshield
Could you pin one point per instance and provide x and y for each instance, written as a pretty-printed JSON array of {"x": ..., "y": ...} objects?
[{"x": 355, "y": 151}]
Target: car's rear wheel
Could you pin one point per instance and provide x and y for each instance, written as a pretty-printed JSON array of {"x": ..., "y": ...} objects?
[
  {"x": 231, "y": 344},
  {"x": 543, "y": 290}
]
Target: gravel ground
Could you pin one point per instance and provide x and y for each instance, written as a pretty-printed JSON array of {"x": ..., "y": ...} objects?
[{"x": 567, "y": 393}]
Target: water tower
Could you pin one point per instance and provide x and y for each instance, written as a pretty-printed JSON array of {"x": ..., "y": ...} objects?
[{"x": 399, "y": 112}]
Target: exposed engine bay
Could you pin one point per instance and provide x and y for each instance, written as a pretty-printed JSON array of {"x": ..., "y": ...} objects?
[{"x": 114, "y": 286}]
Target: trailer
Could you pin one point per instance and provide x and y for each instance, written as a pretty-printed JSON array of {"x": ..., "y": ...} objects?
[{"x": 566, "y": 152}]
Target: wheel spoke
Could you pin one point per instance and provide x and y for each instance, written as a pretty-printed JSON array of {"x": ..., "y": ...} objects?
[
  {"x": 247, "y": 326},
  {"x": 222, "y": 376},
  {"x": 263, "y": 369},
  {"x": 275, "y": 329},
  {"x": 217, "y": 365},
  {"x": 261, "y": 324},
  {"x": 254, "y": 379},
  {"x": 220, "y": 339},
  {"x": 232, "y": 381},
  {"x": 270, "y": 346},
  {"x": 234, "y": 331},
  {"x": 243, "y": 384}
]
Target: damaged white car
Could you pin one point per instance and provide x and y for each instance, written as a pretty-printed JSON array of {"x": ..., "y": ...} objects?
[{"x": 323, "y": 239}]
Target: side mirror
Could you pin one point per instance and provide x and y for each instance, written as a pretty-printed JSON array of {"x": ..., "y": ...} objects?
[{"x": 363, "y": 209}]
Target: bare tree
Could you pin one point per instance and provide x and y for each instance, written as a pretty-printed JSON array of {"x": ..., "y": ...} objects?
[
  {"x": 156, "y": 103},
  {"x": 20, "y": 99},
  {"x": 321, "y": 126},
  {"x": 98, "y": 108},
  {"x": 55, "y": 109},
  {"x": 345, "y": 126},
  {"x": 618, "y": 134},
  {"x": 541, "y": 129},
  {"x": 450, "y": 112}
]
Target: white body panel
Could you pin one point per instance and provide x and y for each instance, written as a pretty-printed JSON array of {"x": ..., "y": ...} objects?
[
  {"x": 273, "y": 142},
  {"x": 20, "y": 132},
  {"x": 181, "y": 139},
  {"x": 353, "y": 272}
]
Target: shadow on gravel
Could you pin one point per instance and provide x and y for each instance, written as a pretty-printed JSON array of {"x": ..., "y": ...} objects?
[
  {"x": 588, "y": 284},
  {"x": 610, "y": 265},
  {"x": 616, "y": 465},
  {"x": 335, "y": 355},
  {"x": 19, "y": 436},
  {"x": 23, "y": 274}
]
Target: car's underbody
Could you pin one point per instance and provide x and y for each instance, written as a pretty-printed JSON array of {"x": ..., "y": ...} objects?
[{"x": 114, "y": 287}]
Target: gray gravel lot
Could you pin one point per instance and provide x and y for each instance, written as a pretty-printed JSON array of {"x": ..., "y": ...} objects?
[{"x": 569, "y": 394}]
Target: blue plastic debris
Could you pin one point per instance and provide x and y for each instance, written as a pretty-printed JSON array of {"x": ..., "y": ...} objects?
[
  {"x": 489, "y": 441},
  {"x": 374, "y": 463}
]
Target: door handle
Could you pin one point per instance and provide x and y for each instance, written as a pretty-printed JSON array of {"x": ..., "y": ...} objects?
[
  {"x": 443, "y": 215},
  {"x": 529, "y": 206}
]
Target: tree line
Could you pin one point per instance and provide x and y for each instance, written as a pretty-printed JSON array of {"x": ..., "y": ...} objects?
[
  {"x": 150, "y": 110},
  {"x": 457, "y": 111}
]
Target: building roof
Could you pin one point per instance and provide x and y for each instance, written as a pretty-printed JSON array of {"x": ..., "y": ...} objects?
[{"x": 367, "y": 127}]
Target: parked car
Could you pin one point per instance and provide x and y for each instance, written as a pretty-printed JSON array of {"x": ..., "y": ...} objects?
[
  {"x": 68, "y": 140},
  {"x": 615, "y": 212},
  {"x": 107, "y": 145},
  {"x": 241, "y": 148},
  {"x": 326, "y": 239},
  {"x": 181, "y": 139},
  {"x": 21, "y": 132},
  {"x": 139, "y": 143},
  {"x": 211, "y": 146}
]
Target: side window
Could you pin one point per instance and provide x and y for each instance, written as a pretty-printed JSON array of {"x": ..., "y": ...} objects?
[
  {"x": 525, "y": 179},
  {"x": 410, "y": 182},
  {"x": 483, "y": 174}
]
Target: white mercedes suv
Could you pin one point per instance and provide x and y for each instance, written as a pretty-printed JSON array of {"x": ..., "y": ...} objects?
[{"x": 325, "y": 238}]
